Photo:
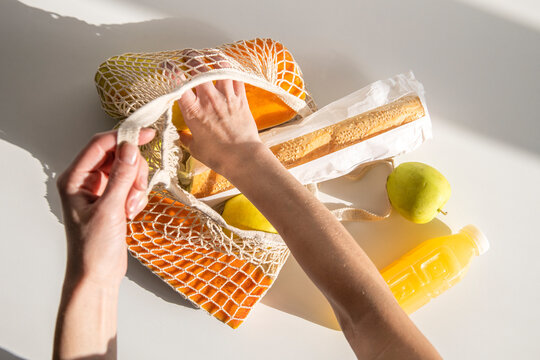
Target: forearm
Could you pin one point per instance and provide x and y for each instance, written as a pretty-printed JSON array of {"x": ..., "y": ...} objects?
[
  {"x": 86, "y": 323},
  {"x": 320, "y": 243},
  {"x": 103, "y": 185},
  {"x": 224, "y": 136},
  {"x": 368, "y": 313}
]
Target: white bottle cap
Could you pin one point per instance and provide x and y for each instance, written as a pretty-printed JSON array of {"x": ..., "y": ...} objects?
[{"x": 480, "y": 240}]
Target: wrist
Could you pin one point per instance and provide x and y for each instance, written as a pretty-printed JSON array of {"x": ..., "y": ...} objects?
[
  {"x": 107, "y": 294},
  {"x": 75, "y": 280},
  {"x": 245, "y": 158},
  {"x": 85, "y": 266},
  {"x": 87, "y": 319}
]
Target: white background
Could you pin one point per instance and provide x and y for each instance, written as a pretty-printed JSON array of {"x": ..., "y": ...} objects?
[{"x": 480, "y": 64}]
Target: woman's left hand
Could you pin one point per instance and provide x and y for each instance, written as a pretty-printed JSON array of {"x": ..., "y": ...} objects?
[{"x": 99, "y": 190}]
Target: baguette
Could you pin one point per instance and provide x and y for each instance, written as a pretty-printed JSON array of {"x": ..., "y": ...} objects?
[{"x": 319, "y": 143}]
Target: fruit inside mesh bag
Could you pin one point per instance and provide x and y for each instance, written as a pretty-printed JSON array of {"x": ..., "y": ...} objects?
[
  {"x": 380, "y": 121},
  {"x": 221, "y": 272},
  {"x": 169, "y": 239},
  {"x": 127, "y": 82}
]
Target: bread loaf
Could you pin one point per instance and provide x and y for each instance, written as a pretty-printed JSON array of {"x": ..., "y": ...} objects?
[{"x": 319, "y": 143}]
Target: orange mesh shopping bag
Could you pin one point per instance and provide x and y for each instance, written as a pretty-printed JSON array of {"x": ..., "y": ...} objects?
[
  {"x": 171, "y": 241},
  {"x": 222, "y": 269},
  {"x": 127, "y": 82}
]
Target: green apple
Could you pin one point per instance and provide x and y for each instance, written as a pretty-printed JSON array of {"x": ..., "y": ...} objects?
[
  {"x": 241, "y": 213},
  {"x": 417, "y": 191}
]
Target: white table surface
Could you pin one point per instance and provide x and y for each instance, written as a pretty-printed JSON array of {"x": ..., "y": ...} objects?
[{"x": 480, "y": 65}]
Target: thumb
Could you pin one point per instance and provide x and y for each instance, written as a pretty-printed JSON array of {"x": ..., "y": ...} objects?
[{"x": 123, "y": 173}]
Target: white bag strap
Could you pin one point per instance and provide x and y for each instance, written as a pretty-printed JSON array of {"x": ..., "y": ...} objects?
[
  {"x": 148, "y": 114},
  {"x": 348, "y": 213},
  {"x": 151, "y": 112}
]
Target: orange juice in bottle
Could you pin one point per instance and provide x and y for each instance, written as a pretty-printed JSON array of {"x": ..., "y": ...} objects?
[{"x": 433, "y": 267}]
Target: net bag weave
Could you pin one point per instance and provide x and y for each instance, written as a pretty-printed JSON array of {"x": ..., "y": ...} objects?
[{"x": 221, "y": 269}]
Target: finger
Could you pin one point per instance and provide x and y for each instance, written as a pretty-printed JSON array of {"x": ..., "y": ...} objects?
[
  {"x": 195, "y": 61},
  {"x": 94, "y": 182},
  {"x": 206, "y": 92},
  {"x": 171, "y": 70},
  {"x": 186, "y": 138},
  {"x": 95, "y": 153},
  {"x": 105, "y": 167},
  {"x": 137, "y": 198},
  {"x": 189, "y": 105},
  {"x": 104, "y": 178},
  {"x": 226, "y": 88},
  {"x": 197, "y": 64},
  {"x": 123, "y": 174},
  {"x": 239, "y": 89}
]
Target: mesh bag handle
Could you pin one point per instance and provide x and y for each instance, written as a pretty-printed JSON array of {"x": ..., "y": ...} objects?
[
  {"x": 348, "y": 213},
  {"x": 236, "y": 267},
  {"x": 148, "y": 114},
  {"x": 181, "y": 239},
  {"x": 151, "y": 112}
]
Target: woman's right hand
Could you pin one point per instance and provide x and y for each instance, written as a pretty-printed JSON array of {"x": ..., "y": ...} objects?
[
  {"x": 225, "y": 138},
  {"x": 223, "y": 132}
]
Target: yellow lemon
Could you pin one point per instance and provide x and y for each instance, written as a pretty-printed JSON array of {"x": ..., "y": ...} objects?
[{"x": 241, "y": 213}]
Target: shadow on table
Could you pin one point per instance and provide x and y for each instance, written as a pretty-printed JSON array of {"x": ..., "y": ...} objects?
[
  {"x": 6, "y": 355},
  {"x": 49, "y": 102},
  {"x": 138, "y": 273},
  {"x": 480, "y": 71}
]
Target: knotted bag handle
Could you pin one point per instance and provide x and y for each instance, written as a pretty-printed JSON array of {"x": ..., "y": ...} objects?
[{"x": 149, "y": 113}]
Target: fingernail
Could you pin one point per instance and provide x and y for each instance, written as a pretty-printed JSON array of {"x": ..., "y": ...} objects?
[
  {"x": 136, "y": 204},
  {"x": 134, "y": 201},
  {"x": 128, "y": 153},
  {"x": 142, "y": 203}
]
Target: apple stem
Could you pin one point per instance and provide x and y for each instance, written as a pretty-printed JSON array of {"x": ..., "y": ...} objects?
[{"x": 442, "y": 211}]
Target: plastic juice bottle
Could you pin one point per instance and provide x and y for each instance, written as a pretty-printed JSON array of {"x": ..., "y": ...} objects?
[{"x": 433, "y": 267}]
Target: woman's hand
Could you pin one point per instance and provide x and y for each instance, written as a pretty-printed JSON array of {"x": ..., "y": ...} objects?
[
  {"x": 102, "y": 187},
  {"x": 222, "y": 127},
  {"x": 225, "y": 138},
  {"x": 223, "y": 132}
]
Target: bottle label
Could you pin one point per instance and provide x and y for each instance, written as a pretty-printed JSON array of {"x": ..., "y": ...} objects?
[{"x": 427, "y": 276}]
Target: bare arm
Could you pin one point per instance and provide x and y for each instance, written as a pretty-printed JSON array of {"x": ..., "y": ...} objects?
[
  {"x": 225, "y": 138},
  {"x": 370, "y": 317},
  {"x": 86, "y": 323},
  {"x": 99, "y": 190}
]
